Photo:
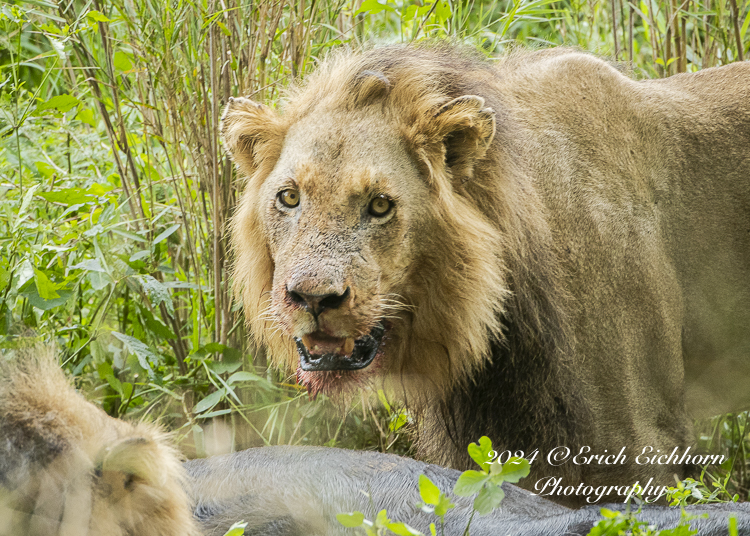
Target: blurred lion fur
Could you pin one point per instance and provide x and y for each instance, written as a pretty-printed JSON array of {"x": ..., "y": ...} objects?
[{"x": 67, "y": 468}]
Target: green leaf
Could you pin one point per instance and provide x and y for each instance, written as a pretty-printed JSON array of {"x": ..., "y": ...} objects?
[
  {"x": 238, "y": 529},
  {"x": 4, "y": 276},
  {"x": 470, "y": 482},
  {"x": 512, "y": 471},
  {"x": 352, "y": 520},
  {"x": 402, "y": 529},
  {"x": 97, "y": 16},
  {"x": 154, "y": 325},
  {"x": 68, "y": 196},
  {"x": 243, "y": 377},
  {"x": 442, "y": 10},
  {"x": 443, "y": 506},
  {"x": 488, "y": 499},
  {"x": 383, "y": 400},
  {"x": 122, "y": 61},
  {"x": 30, "y": 292},
  {"x": 45, "y": 169},
  {"x": 62, "y": 103},
  {"x": 210, "y": 401},
  {"x": 86, "y": 116},
  {"x": 373, "y": 7},
  {"x": 156, "y": 292},
  {"x": 140, "y": 350},
  {"x": 381, "y": 520},
  {"x": 401, "y": 419},
  {"x": 47, "y": 289},
  {"x": 481, "y": 453},
  {"x": 166, "y": 233},
  {"x": 223, "y": 28},
  {"x": 429, "y": 492}
]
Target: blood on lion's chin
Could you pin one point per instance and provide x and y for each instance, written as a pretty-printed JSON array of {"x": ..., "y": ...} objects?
[{"x": 538, "y": 248}]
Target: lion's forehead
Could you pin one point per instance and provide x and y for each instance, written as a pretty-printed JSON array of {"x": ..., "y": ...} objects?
[{"x": 345, "y": 155}]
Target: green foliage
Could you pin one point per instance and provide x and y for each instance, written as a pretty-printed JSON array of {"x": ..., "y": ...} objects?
[
  {"x": 486, "y": 484},
  {"x": 622, "y": 524}
]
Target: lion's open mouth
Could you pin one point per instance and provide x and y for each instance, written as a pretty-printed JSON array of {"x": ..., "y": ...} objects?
[{"x": 320, "y": 352}]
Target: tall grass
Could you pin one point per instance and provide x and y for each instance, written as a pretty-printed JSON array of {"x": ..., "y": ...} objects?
[{"x": 115, "y": 191}]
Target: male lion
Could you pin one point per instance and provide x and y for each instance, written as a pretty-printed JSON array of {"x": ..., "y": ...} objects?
[
  {"x": 540, "y": 249},
  {"x": 68, "y": 469}
]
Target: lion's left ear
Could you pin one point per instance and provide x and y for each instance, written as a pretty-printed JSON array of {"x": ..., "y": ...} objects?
[
  {"x": 466, "y": 128},
  {"x": 250, "y": 131}
]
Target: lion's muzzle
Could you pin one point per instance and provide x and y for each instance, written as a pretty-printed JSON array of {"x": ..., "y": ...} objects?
[{"x": 364, "y": 352}]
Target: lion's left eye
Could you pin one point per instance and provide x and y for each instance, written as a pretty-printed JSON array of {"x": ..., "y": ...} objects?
[
  {"x": 289, "y": 197},
  {"x": 380, "y": 206}
]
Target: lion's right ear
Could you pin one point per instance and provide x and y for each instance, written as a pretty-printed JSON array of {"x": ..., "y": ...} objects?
[
  {"x": 250, "y": 131},
  {"x": 467, "y": 128}
]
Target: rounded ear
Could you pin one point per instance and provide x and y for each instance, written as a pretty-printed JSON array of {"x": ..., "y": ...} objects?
[
  {"x": 466, "y": 128},
  {"x": 250, "y": 132},
  {"x": 133, "y": 457}
]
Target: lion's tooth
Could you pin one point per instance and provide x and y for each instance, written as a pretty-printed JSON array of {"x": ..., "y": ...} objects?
[{"x": 348, "y": 346}]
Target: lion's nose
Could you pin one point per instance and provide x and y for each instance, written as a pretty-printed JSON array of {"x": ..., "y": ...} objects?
[{"x": 317, "y": 303}]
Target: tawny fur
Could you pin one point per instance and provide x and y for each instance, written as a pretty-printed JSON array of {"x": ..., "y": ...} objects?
[
  {"x": 67, "y": 468},
  {"x": 568, "y": 247}
]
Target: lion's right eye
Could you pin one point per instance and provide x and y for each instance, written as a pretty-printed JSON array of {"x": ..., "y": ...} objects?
[{"x": 289, "y": 197}]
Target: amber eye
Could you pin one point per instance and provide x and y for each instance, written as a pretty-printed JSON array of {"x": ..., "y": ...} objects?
[
  {"x": 289, "y": 197},
  {"x": 380, "y": 206}
]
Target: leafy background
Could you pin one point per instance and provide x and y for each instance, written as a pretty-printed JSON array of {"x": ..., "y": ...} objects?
[{"x": 115, "y": 191}]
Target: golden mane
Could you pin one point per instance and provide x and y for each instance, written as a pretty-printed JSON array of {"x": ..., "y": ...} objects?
[{"x": 493, "y": 280}]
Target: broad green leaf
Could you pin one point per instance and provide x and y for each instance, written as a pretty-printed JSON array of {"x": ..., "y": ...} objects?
[
  {"x": 68, "y": 196},
  {"x": 352, "y": 520},
  {"x": 97, "y": 16},
  {"x": 30, "y": 292},
  {"x": 488, "y": 499},
  {"x": 47, "y": 289},
  {"x": 374, "y": 7},
  {"x": 139, "y": 349},
  {"x": 210, "y": 401},
  {"x": 62, "y": 103},
  {"x": 442, "y": 10},
  {"x": 86, "y": 116},
  {"x": 122, "y": 61},
  {"x": 481, "y": 453},
  {"x": 512, "y": 471},
  {"x": 45, "y": 169},
  {"x": 156, "y": 292},
  {"x": 401, "y": 419},
  {"x": 98, "y": 280},
  {"x": 429, "y": 492},
  {"x": 470, "y": 482}
]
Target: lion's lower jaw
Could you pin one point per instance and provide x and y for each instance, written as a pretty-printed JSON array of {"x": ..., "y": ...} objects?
[{"x": 338, "y": 384}]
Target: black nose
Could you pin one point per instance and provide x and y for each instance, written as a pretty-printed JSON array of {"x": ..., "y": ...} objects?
[{"x": 317, "y": 303}]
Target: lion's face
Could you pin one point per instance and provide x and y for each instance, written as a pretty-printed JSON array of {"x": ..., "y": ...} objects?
[
  {"x": 357, "y": 248},
  {"x": 343, "y": 228}
]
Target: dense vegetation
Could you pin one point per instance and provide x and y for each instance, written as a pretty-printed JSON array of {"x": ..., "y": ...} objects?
[{"x": 115, "y": 191}]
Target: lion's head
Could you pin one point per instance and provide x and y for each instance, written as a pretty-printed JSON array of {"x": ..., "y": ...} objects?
[{"x": 362, "y": 240}]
